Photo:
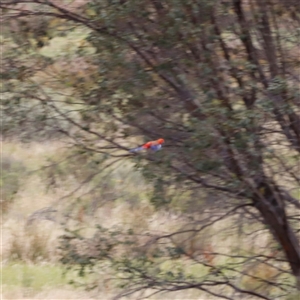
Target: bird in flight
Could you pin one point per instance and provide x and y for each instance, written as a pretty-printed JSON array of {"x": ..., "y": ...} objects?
[{"x": 153, "y": 145}]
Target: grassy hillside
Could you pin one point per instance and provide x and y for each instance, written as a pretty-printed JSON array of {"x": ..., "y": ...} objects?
[{"x": 32, "y": 223}]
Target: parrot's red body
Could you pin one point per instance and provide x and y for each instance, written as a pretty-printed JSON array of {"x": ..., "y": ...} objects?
[{"x": 153, "y": 145}]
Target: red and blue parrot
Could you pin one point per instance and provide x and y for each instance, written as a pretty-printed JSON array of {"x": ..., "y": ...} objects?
[{"x": 153, "y": 145}]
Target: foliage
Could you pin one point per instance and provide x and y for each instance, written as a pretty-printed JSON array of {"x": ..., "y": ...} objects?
[{"x": 217, "y": 79}]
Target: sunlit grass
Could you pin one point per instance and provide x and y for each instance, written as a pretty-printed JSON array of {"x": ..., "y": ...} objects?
[
  {"x": 38, "y": 281},
  {"x": 32, "y": 276},
  {"x": 58, "y": 46}
]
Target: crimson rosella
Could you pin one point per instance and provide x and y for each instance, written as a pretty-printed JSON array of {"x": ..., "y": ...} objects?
[{"x": 153, "y": 145}]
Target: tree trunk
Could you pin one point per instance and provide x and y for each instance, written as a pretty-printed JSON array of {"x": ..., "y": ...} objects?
[{"x": 269, "y": 202}]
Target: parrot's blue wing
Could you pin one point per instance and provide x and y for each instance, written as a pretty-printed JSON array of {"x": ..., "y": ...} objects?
[
  {"x": 136, "y": 149},
  {"x": 155, "y": 147}
]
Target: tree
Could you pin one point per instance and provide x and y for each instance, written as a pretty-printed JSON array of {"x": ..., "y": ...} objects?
[{"x": 218, "y": 80}]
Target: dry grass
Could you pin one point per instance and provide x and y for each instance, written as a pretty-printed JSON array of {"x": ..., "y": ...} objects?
[
  {"x": 30, "y": 243},
  {"x": 62, "y": 293},
  {"x": 35, "y": 242},
  {"x": 19, "y": 240}
]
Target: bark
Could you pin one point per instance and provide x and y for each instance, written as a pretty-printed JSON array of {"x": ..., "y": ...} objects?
[{"x": 270, "y": 204}]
